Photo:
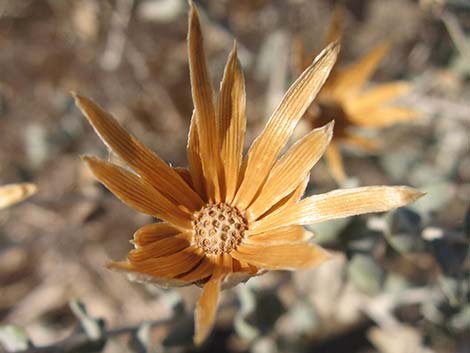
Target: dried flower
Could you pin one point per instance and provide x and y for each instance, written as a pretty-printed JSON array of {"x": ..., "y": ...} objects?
[
  {"x": 229, "y": 218},
  {"x": 13, "y": 193},
  {"x": 344, "y": 99}
]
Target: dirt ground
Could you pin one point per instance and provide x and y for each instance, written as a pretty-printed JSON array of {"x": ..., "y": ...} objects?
[{"x": 398, "y": 282}]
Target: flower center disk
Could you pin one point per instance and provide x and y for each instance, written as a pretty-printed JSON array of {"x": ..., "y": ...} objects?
[{"x": 218, "y": 228}]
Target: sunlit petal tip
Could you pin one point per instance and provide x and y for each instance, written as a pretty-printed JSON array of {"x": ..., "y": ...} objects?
[
  {"x": 408, "y": 194},
  {"x": 125, "y": 266},
  {"x": 329, "y": 129},
  {"x": 234, "y": 47},
  {"x": 11, "y": 194}
]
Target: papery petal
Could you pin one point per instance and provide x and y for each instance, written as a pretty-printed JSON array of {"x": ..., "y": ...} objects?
[
  {"x": 201, "y": 271},
  {"x": 185, "y": 174},
  {"x": 127, "y": 268},
  {"x": 335, "y": 163},
  {"x": 338, "y": 204},
  {"x": 146, "y": 163},
  {"x": 164, "y": 247},
  {"x": 266, "y": 148},
  {"x": 282, "y": 257},
  {"x": 151, "y": 233},
  {"x": 292, "y": 198},
  {"x": 202, "y": 93},
  {"x": 194, "y": 158},
  {"x": 291, "y": 169},
  {"x": 208, "y": 303},
  {"x": 232, "y": 127},
  {"x": 165, "y": 267},
  {"x": 289, "y": 234},
  {"x": 137, "y": 193}
]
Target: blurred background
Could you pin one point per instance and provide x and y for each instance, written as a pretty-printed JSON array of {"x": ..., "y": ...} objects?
[{"x": 398, "y": 282}]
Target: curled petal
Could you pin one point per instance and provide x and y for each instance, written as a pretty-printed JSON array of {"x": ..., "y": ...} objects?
[
  {"x": 338, "y": 204},
  {"x": 164, "y": 267},
  {"x": 151, "y": 233},
  {"x": 164, "y": 247}
]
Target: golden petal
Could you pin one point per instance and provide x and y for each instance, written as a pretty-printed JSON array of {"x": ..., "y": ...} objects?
[
  {"x": 242, "y": 266},
  {"x": 154, "y": 232},
  {"x": 207, "y": 304},
  {"x": 383, "y": 116},
  {"x": 231, "y": 111},
  {"x": 204, "y": 104},
  {"x": 185, "y": 174},
  {"x": 292, "y": 198},
  {"x": 291, "y": 170},
  {"x": 282, "y": 257},
  {"x": 335, "y": 163},
  {"x": 164, "y": 247},
  {"x": 13, "y": 193},
  {"x": 338, "y": 204},
  {"x": 169, "y": 266},
  {"x": 354, "y": 76},
  {"x": 266, "y": 148},
  {"x": 132, "y": 274},
  {"x": 201, "y": 271},
  {"x": 194, "y": 158},
  {"x": 146, "y": 163},
  {"x": 137, "y": 193},
  {"x": 289, "y": 234},
  {"x": 376, "y": 96}
]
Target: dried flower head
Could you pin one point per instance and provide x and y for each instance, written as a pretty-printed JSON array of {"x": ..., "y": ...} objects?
[
  {"x": 13, "y": 193},
  {"x": 344, "y": 99},
  {"x": 228, "y": 218}
]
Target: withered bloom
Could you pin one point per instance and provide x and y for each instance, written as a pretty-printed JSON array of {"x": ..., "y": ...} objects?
[
  {"x": 228, "y": 218},
  {"x": 345, "y": 99},
  {"x": 11, "y": 194}
]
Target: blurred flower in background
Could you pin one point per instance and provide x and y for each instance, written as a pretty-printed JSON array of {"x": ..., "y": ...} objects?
[{"x": 346, "y": 99}]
